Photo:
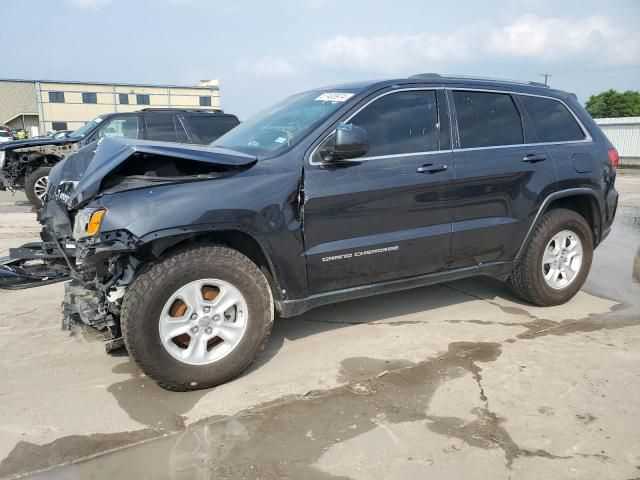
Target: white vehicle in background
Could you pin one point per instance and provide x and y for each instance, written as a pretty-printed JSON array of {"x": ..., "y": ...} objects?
[{"x": 5, "y": 136}]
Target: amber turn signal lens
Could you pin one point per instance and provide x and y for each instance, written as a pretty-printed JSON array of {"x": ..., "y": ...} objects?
[{"x": 94, "y": 222}]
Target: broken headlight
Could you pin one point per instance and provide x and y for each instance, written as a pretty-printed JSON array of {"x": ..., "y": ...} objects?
[{"x": 87, "y": 223}]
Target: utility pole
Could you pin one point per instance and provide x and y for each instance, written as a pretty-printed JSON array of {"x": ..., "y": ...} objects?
[{"x": 546, "y": 77}]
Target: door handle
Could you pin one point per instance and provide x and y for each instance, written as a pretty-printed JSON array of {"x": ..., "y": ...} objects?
[
  {"x": 431, "y": 168},
  {"x": 534, "y": 158}
]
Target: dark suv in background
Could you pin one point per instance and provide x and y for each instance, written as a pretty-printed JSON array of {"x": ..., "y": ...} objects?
[
  {"x": 25, "y": 164},
  {"x": 186, "y": 253}
]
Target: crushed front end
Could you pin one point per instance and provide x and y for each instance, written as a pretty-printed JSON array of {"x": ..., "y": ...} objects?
[
  {"x": 97, "y": 269},
  {"x": 103, "y": 268},
  {"x": 96, "y": 199}
]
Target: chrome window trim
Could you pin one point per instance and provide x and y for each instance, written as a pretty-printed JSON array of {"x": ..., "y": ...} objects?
[
  {"x": 587, "y": 139},
  {"x": 379, "y": 157}
]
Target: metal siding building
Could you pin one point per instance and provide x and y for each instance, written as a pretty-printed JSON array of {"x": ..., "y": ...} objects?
[
  {"x": 67, "y": 105},
  {"x": 624, "y": 133},
  {"x": 18, "y": 104}
]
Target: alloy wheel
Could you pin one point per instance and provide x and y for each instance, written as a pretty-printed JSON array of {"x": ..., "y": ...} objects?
[{"x": 203, "y": 321}]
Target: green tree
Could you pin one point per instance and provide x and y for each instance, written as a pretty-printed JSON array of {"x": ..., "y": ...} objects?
[{"x": 614, "y": 104}]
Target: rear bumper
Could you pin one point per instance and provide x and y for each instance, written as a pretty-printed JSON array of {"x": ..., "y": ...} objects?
[
  {"x": 612, "y": 205},
  {"x": 611, "y": 209}
]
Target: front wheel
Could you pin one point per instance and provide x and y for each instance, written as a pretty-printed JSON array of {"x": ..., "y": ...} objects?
[
  {"x": 556, "y": 261},
  {"x": 35, "y": 185},
  {"x": 198, "y": 318}
]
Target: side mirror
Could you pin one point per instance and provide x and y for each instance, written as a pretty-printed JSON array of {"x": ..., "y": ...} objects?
[{"x": 349, "y": 141}]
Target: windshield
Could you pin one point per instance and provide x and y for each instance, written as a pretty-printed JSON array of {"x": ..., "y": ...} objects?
[
  {"x": 279, "y": 126},
  {"x": 86, "y": 129}
]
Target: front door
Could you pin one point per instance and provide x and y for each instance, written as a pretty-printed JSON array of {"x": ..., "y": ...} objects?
[{"x": 388, "y": 214}]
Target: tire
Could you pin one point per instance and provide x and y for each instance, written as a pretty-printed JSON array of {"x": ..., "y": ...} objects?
[
  {"x": 527, "y": 280},
  {"x": 34, "y": 183},
  {"x": 146, "y": 300}
]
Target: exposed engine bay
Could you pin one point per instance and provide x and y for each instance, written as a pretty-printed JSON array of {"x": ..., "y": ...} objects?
[{"x": 17, "y": 164}]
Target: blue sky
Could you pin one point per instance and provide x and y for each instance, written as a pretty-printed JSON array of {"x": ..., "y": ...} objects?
[{"x": 262, "y": 51}]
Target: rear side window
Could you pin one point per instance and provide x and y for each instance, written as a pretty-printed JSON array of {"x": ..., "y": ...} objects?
[
  {"x": 208, "y": 128},
  {"x": 161, "y": 127},
  {"x": 487, "y": 119},
  {"x": 551, "y": 120},
  {"x": 403, "y": 122}
]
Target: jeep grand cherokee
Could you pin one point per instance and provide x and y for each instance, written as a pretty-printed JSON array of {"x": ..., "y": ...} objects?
[{"x": 186, "y": 253}]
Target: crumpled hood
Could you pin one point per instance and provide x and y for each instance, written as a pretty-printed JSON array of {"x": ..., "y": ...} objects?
[
  {"x": 73, "y": 167},
  {"x": 90, "y": 165}
]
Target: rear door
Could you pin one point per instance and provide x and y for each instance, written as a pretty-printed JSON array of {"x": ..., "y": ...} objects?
[
  {"x": 502, "y": 176},
  {"x": 386, "y": 215},
  {"x": 566, "y": 140}
]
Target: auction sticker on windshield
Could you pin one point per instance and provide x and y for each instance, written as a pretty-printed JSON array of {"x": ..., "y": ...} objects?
[{"x": 334, "y": 97}]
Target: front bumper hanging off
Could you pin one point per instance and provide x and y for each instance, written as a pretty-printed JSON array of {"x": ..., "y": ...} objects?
[
  {"x": 44, "y": 263},
  {"x": 35, "y": 264}
]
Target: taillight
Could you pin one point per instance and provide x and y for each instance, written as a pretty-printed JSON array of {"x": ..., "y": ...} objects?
[{"x": 614, "y": 158}]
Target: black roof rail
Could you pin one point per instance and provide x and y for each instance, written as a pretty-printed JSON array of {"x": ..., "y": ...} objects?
[
  {"x": 196, "y": 110},
  {"x": 426, "y": 75},
  {"x": 470, "y": 77},
  {"x": 537, "y": 84}
]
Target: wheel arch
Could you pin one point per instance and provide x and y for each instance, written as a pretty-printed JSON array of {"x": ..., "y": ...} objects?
[
  {"x": 239, "y": 240},
  {"x": 583, "y": 201}
]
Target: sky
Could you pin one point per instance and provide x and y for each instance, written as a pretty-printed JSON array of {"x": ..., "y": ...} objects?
[{"x": 262, "y": 51}]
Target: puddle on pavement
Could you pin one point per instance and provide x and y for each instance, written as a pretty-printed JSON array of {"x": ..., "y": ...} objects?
[
  {"x": 541, "y": 327},
  {"x": 148, "y": 404},
  {"x": 143, "y": 400},
  {"x": 286, "y": 439},
  {"x": 282, "y": 439}
]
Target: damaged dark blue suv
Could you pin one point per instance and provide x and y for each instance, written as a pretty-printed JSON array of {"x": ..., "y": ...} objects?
[{"x": 186, "y": 253}]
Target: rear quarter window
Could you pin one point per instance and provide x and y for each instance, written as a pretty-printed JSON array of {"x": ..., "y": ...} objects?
[
  {"x": 208, "y": 128},
  {"x": 551, "y": 120}
]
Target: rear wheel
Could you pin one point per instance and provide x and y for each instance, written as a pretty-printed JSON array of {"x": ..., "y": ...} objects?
[
  {"x": 35, "y": 185},
  {"x": 198, "y": 318},
  {"x": 556, "y": 261}
]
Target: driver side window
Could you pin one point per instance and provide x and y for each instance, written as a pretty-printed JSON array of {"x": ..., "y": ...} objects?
[
  {"x": 122, "y": 127},
  {"x": 400, "y": 123}
]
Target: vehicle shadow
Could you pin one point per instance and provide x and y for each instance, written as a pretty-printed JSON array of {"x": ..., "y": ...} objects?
[{"x": 383, "y": 308}]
